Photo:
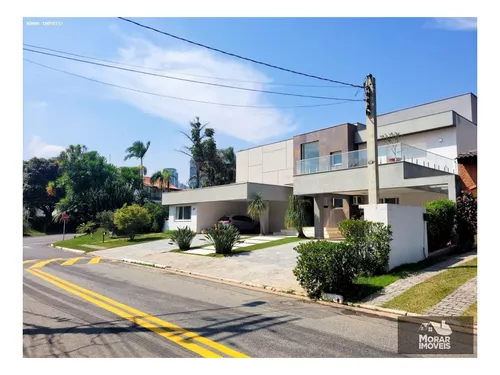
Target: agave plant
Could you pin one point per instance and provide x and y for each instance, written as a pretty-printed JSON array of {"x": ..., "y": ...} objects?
[
  {"x": 86, "y": 228},
  {"x": 183, "y": 237},
  {"x": 223, "y": 237}
]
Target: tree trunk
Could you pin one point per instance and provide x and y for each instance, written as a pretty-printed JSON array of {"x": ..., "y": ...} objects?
[
  {"x": 301, "y": 233},
  {"x": 261, "y": 226}
]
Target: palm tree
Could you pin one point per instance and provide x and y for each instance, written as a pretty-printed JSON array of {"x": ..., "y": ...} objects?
[
  {"x": 137, "y": 150},
  {"x": 163, "y": 177},
  {"x": 295, "y": 216},
  {"x": 256, "y": 208}
]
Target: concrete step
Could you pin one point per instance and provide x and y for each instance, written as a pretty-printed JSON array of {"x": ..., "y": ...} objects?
[{"x": 328, "y": 233}]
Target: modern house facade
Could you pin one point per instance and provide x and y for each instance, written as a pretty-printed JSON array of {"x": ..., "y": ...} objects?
[{"x": 329, "y": 166}]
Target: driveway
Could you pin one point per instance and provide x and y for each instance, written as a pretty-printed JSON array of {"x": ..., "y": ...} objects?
[{"x": 271, "y": 266}]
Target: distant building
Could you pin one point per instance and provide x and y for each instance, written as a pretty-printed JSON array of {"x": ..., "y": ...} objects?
[
  {"x": 192, "y": 174},
  {"x": 174, "y": 176}
]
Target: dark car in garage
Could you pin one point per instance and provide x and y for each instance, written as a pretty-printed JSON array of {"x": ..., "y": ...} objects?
[{"x": 244, "y": 223}]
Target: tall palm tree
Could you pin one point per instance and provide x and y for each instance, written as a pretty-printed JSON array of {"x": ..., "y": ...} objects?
[
  {"x": 256, "y": 208},
  {"x": 137, "y": 150},
  {"x": 163, "y": 177}
]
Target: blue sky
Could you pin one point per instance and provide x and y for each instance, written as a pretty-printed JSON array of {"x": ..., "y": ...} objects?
[{"x": 414, "y": 60}]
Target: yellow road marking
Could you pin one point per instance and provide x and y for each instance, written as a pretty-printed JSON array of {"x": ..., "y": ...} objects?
[
  {"x": 44, "y": 263},
  {"x": 136, "y": 318},
  {"x": 71, "y": 261},
  {"x": 94, "y": 260},
  {"x": 29, "y": 261}
]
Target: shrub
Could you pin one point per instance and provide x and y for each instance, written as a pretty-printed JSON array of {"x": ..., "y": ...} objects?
[
  {"x": 466, "y": 220},
  {"x": 324, "y": 266},
  {"x": 105, "y": 220},
  {"x": 131, "y": 219},
  {"x": 26, "y": 226},
  {"x": 371, "y": 242},
  {"x": 223, "y": 237},
  {"x": 86, "y": 228},
  {"x": 440, "y": 222},
  {"x": 183, "y": 237},
  {"x": 157, "y": 213}
]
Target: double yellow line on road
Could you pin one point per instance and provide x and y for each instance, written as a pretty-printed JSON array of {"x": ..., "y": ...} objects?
[{"x": 186, "y": 339}]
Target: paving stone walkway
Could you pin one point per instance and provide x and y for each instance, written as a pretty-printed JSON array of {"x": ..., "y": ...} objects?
[
  {"x": 457, "y": 302},
  {"x": 402, "y": 285}
]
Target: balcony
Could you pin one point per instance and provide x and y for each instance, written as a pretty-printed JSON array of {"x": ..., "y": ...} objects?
[{"x": 398, "y": 152}]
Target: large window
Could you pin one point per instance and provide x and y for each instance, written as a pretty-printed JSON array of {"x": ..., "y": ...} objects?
[
  {"x": 310, "y": 150},
  {"x": 310, "y": 157},
  {"x": 183, "y": 213},
  {"x": 338, "y": 202}
]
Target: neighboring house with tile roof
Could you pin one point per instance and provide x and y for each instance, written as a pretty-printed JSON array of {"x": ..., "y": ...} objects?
[
  {"x": 467, "y": 165},
  {"x": 155, "y": 190}
]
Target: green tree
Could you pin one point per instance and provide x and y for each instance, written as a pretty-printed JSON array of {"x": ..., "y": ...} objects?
[
  {"x": 93, "y": 185},
  {"x": 106, "y": 220},
  {"x": 256, "y": 209},
  {"x": 138, "y": 150},
  {"x": 295, "y": 216},
  {"x": 164, "y": 178},
  {"x": 131, "y": 220},
  {"x": 158, "y": 213},
  {"x": 38, "y": 192},
  {"x": 226, "y": 168},
  {"x": 196, "y": 149}
]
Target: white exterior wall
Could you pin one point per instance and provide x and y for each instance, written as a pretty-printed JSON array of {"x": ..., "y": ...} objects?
[
  {"x": 409, "y": 231},
  {"x": 209, "y": 213},
  {"x": 269, "y": 164},
  {"x": 174, "y": 224},
  {"x": 466, "y": 135}
]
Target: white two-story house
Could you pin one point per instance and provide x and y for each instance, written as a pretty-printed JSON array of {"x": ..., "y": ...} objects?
[{"x": 328, "y": 166}]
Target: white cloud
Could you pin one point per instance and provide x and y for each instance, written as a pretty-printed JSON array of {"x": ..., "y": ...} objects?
[
  {"x": 37, "y": 147},
  {"x": 454, "y": 23},
  {"x": 248, "y": 124}
]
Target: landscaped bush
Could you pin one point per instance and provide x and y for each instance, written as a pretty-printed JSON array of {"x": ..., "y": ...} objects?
[
  {"x": 371, "y": 242},
  {"x": 223, "y": 237},
  {"x": 440, "y": 222},
  {"x": 183, "y": 237},
  {"x": 157, "y": 212},
  {"x": 466, "y": 220},
  {"x": 130, "y": 220},
  {"x": 86, "y": 228},
  {"x": 105, "y": 220},
  {"x": 324, "y": 267}
]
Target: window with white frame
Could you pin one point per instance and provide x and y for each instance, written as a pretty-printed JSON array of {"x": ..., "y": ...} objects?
[
  {"x": 183, "y": 213},
  {"x": 336, "y": 159},
  {"x": 389, "y": 200}
]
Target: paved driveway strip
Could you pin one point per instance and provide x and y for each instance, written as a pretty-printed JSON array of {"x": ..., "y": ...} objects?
[{"x": 272, "y": 266}]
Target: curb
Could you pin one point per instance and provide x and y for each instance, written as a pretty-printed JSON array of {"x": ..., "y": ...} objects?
[
  {"x": 70, "y": 250},
  {"x": 366, "y": 309},
  {"x": 361, "y": 308}
]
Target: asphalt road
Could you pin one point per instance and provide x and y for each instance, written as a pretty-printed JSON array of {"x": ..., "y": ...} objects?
[{"x": 111, "y": 309}]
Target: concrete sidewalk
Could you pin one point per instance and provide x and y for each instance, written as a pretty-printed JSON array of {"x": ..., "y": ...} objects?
[{"x": 272, "y": 266}]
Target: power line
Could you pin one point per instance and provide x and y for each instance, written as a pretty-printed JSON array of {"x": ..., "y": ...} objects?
[
  {"x": 184, "y": 74},
  {"x": 238, "y": 56},
  {"x": 178, "y": 98},
  {"x": 190, "y": 80}
]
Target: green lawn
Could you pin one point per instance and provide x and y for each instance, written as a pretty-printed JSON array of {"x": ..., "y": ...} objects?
[
  {"x": 364, "y": 286},
  {"x": 471, "y": 311},
  {"x": 426, "y": 294},
  {"x": 259, "y": 246},
  {"x": 96, "y": 240}
]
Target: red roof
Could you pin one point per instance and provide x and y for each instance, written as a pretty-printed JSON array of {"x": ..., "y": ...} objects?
[{"x": 147, "y": 182}]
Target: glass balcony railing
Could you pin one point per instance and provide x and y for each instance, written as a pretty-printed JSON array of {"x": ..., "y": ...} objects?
[{"x": 386, "y": 154}]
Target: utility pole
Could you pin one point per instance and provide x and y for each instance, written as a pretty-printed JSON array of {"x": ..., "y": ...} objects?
[{"x": 371, "y": 142}]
